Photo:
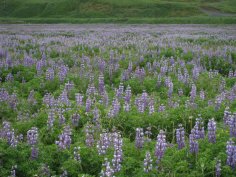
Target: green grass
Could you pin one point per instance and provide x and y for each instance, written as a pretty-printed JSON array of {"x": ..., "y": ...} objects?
[
  {"x": 138, "y": 11},
  {"x": 177, "y": 20}
]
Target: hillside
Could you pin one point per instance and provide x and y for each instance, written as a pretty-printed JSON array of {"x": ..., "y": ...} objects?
[{"x": 114, "y": 9}]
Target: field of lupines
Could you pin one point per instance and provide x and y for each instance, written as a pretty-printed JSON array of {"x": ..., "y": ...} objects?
[{"x": 110, "y": 100}]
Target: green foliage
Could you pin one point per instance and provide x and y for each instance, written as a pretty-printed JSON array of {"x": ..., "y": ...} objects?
[{"x": 95, "y": 11}]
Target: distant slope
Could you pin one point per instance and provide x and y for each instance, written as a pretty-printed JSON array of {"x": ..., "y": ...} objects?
[{"x": 78, "y": 9}]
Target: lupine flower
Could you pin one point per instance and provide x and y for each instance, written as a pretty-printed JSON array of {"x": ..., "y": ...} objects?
[
  {"x": 218, "y": 168},
  {"x": 162, "y": 108},
  {"x": 64, "y": 139},
  {"x": 118, "y": 153},
  {"x": 193, "y": 93},
  {"x": 147, "y": 163},
  {"x": 212, "y": 131},
  {"x": 63, "y": 98},
  {"x": 151, "y": 107},
  {"x": 104, "y": 143},
  {"x": 75, "y": 119},
  {"x": 180, "y": 139},
  {"x": 88, "y": 104},
  {"x": 193, "y": 144},
  {"x": 51, "y": 119},
  {"x": 101, "y": 84},
  {"x": 34, "y": 152},
  {"x": 198, "y": 131},
  {"x": 107, "y": 170},
  {"x": 148, "y": 134},
  {"x": 232, "y": 125},
  {"x": 32, "y": 136},
  {"x": 202, "y": 94},
  {"x": 161, "y": 145},
  {"x": 89, "y": 134},
  {"x": 139, "y": 138},
  {"x": 50, "y": 74},
  {"x": 227, "y": 116},
  {"x": 79, "y": 99},
  {"x": 77, "y": 154},
  {"x": 128, "y": 94},
  {"x": 231, "y": 154}
]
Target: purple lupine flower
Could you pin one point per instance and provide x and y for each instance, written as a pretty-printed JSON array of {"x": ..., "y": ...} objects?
[
  {"x": 231, "y": 154},
  {"x": 89, "y": 134},
  {"x": 218, "y": 103},
  {"x": 162, "y": 108},
  {"x": 180, "y": 137},
  {"x": 77, "y": 154},
  {"x": 144, "y": 98},
  {"x": 127, "y": 106},
  {"x": 232, "y": 125},
  {"x": 227, "y": 116},
  {"x": 148, "y": 134},
  {"x": 218, "y": 168},
  {"x": 101, "y": 84},
  {"x": 62, "y": 119},
  {"x": 202, "y": 95},
  {"x": 120, "y": 91},
  {"x": 159, "y": 81},
  {"x": 39, "y": 66},
  {"x": 69, "y": 86},
  {"x": 128, "y": 94},
  {"x": 9, "y": 134},
  {"x": 12, "y": 101},
  {"x": 6, "y": 128},
  {"x": 32, "y": 136},
  {"x": 118, "y": 152},
  {"x": 34, "y": 152},
  {"x": 75, "y": 119},
  {"x": 139, "y": 138},
  {"x": 193, "y": 93},
  {"x": 79, "y": 99},
  {"x": 51, "y": 119},
  {"x": 151, "y": 107},
  {"x": 49, "y": 100},
  {"x": 50, "y": 74},
  {"x": 63, "y": 98},
  {"x": 193, "y": 144},
  {"x": 198, "y": 131},
  {"x": 88, "y": 104},
  {"x": 96, "y": 115},
  {"x": 104, "y": 143},
  {"x": 115, "y": 109},
  {"x": 212, "y": 131},
  {"x": 91, "y": 90},
  {"x": 170, "y": 88},
  {"x": 64, "y": 139},
  {"x": 161, "y": 146},
  {"x": 107, "y": 170},
  {"x": 63, "y": 70},
  {"x": 147, "y": 162}
]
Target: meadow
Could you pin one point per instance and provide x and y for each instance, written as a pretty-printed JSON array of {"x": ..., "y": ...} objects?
[
  {"x": 117, "y": 100},
  {"x": 122, "y": 11}
]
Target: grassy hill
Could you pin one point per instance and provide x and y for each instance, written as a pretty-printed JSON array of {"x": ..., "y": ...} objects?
[{"x": 117, "y": 10}]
